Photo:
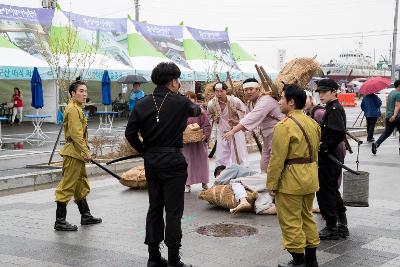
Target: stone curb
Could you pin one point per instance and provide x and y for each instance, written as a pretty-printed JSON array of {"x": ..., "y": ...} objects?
[{"x": 54, "y": 175}]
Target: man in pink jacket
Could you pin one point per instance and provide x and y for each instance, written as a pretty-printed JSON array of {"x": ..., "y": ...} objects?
[{"x": 263, "y": 112}]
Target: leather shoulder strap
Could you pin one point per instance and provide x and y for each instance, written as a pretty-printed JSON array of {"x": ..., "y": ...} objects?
[{"x": 305, "y": 135}]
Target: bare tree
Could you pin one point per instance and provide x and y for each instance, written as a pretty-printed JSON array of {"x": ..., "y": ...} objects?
[
  {"x": 67, "y": 55},
  {"x": 217, "y": 64},
  {"x": 213, "y": 66}
]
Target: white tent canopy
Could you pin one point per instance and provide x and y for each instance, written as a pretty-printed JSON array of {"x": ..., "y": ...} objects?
[{"x": 15, "y": 57}]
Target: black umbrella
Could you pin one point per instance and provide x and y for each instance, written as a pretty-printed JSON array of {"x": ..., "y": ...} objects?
[{"x": 131, "y": 79}]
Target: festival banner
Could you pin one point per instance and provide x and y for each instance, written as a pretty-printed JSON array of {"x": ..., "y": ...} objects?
[
  {"x": 215, "y": 43},
  {"x": 97, "y": 24},
  {"x": 106, "y": 34},
  {"x": 15, "y": 73},
  {"x": 22, "y": 26},
  {"x": 26, "y": 15},
  {"x": 166, "y": 39},
  {"x": 25, "y": 73}
]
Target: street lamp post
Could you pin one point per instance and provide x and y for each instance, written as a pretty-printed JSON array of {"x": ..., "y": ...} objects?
[{"x": 394, "y": 42}]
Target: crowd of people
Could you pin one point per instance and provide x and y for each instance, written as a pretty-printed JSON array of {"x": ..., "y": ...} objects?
[
  {"x": 303, "y": 146},
  {"x": 295, "y": 160}
]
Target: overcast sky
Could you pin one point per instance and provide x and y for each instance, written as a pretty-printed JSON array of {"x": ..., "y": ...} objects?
[{"x": 303, "y": 27}]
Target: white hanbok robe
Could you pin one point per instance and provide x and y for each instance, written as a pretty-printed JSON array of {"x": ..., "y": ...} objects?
[{"x": 235, "y": 150}]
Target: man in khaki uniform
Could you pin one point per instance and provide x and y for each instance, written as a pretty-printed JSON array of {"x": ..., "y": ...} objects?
[
  {"x": 75, "y": 153},
  {"x": 293, "y": 177}
]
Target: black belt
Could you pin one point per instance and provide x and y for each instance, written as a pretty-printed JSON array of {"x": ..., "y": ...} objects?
[
  {"x": 298, "y": 161},
  {"x": 164, "y": 149}
]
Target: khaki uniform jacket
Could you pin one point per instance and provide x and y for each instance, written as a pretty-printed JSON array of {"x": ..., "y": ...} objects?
[
  {"x": 288, "y": 142},
  {"x": 75, "y": 129}
]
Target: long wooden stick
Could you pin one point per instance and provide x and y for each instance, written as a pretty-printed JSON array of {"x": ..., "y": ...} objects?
[
  {"x": 106, "y": 169},
  {"x": 235, "y": 149},
  {"x": 212, "y": 152},
  {"x": 252, "y": 133},
  {"x": 228, "y": 75},
  {"x": 257, "y": 142},
  {"x": 362, "y": 119},
  {"x": 354, "y": 137},
  {"x": 357, "y": 118},
  {"x": 347, "y": 145},
  {"x": 124, "y": 158},
  {"x": 263, "y": 81},
  {"x": 272, "y": 86},
  {"x": 233, "y": 136},
  {"x": 55, "y": 144}
]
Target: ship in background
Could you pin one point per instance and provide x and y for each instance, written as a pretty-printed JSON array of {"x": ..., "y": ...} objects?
[{"x": 353, "y": 64}]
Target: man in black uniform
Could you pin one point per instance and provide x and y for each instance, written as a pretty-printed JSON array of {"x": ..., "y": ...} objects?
[
  {"x": 333, "y": 131},
  {"x": 160, "y": 119}
]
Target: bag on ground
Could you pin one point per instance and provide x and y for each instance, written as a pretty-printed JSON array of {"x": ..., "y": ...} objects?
[
  {"x": 223, "y": 196},
  {"x": 134, "y": 178}
]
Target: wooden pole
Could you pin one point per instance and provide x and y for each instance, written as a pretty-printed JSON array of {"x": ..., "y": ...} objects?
[
  {"x": 357, "y": 118},
  {"x": 55, "y": 144},
  {"x": 252, "y": 133},
  {"x": 272, "y": 86},
  {"x": 136, "y": 2},
  {"x": 262, "y": 78},
  {"x": 228, "y": 75},
  {"x": 231, "y": 125},
  {"x": 393, "y": 69},
  {"x": 212, "y": 152}
]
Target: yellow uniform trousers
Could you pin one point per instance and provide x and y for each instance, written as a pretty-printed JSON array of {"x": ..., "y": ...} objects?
[
  {"x": 74, "y": 181},
  {"x": 296, "y": 220}
]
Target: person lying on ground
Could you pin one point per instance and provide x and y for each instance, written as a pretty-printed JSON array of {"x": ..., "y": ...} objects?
[{"x": 242, "y": 178}]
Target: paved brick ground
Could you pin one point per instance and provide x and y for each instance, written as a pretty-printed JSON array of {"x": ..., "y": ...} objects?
[{"x": 27, "y": 237}]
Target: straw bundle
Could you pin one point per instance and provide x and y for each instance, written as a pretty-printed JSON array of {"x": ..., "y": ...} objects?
[
  {"x": 298, "y": 71},
  {"x": 208, "y": 92},
  {"x": 134, "y": 178},
  {"x": 223, "y": 196},
  {"x": 193, "y": 134},
  {"x": 238, "y": 91}
]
